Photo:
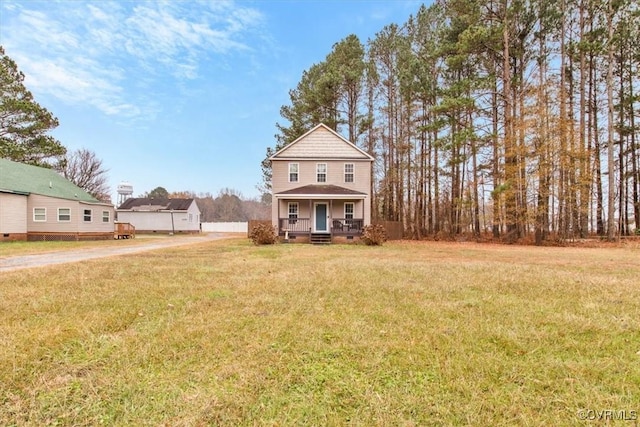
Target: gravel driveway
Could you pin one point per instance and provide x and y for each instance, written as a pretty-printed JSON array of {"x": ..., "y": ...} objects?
[{"x": 76, "y": 255}]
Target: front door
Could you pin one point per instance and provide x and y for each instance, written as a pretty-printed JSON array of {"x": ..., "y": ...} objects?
[{"x": 320, "y": 218}]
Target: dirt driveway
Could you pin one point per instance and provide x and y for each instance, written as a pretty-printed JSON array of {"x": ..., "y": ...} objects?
[{"x": 76, "y": 255}]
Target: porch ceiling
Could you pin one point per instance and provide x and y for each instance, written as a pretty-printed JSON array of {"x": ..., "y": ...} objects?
[{"x": 317, "y": 191}]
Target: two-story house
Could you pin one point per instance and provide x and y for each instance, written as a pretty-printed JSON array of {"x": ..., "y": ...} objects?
[{"x": 321, "y": 187}]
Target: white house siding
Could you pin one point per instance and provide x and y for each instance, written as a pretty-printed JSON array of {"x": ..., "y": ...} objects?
[
  {"x": 146, "y": 221},
  {"x": 51, "y": 225},
  {"x": 13, "y": 210},
  {"x": 76, "y": 223},
  {"x": 193, "y": 222},
  {"x": 335, "y": 176},
  {"x": 361, "y": 208},
  {"x": 307, "y": 174},
  {"x": 321, "y": 143},
  {"x": 96, "y": 225}
]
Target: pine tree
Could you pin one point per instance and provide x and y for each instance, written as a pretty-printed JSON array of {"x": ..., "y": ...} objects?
[{"x": 23, "y": 122}]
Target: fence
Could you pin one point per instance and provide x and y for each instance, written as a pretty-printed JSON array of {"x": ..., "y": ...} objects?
[{"x": 394, "y": 229}]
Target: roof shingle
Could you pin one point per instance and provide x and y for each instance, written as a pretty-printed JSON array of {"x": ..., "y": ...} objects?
[{"x": 148, "y": 204}]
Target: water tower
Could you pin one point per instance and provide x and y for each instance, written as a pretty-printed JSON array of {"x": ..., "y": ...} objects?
[{"x": 125, "y": 190}]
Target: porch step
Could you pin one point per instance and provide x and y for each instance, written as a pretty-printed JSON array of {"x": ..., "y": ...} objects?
[{"x": 320, "y": 238}]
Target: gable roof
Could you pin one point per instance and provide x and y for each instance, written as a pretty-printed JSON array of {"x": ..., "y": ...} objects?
[
  {"x": 146, "y": 204},
  {"x": 19, "y": 178},
  {"x": 321, "y": 142}
]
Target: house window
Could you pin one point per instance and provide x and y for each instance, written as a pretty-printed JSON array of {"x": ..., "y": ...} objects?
[
  {"x": 293, "y": 172},
  {"x": 293, "y": 213},
  {"x": 190, "y": 218},
  {"x": 321, "y": 172},
  {"x": 39, "y": 214},
  {"x": 106, "y": 217},
  {"x": 64, "y": 214},
  {"x": 348, "y": 210},
  {"x": 348, "y": 172},
  {"x": 86, "y": 215}
]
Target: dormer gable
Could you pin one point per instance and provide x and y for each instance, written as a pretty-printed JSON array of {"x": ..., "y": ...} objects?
[{"x": 321, "y": 142}]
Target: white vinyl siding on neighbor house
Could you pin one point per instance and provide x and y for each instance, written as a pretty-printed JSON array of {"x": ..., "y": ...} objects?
[
  {"x": 348, "y": 172},
  {"x": 39, "y": 214},
  {"x": 13, "y": 213},
  {"x": 64, "y": 215},
  {"x": 74, "y": 211},
  {"x": 161, "y": 220},
  {"x": 321, "y": 172},
  {"x": 294, "y": 170}
]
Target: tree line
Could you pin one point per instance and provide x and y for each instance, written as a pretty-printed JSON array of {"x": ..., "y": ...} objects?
[
  {"x": 228, "y": 206},
  {"x": 512, "y": 118}
]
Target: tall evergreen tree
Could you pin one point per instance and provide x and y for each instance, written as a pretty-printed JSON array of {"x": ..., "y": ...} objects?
[{"x": 23, "y": 122}]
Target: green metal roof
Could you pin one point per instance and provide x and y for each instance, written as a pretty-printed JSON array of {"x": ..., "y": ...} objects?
[{"x": 19, "y": 178}]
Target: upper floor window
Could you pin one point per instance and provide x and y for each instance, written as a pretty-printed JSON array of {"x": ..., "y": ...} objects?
[
  {"x": 64, "y": 214},
  {"x": 293, "y": 172},
  {"x": 321, "y": 172},
  {"x": 348, "y": 172},
  {"x": 39, "y": 214},
  {"x": 106, "y": 217},
  {"x": 87, "y": 215},
  {"x": 348, "y": 210}
]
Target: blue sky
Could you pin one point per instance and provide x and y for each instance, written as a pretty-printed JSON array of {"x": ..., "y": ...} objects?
[{"x": 179, "y": 94}]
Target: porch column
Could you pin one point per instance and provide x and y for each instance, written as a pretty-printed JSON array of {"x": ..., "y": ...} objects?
[
  {"x": 310, "y": 217},
  {"x": 330, "y": 222}
]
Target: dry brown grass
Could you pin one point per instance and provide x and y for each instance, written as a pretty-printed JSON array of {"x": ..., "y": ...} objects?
[
  {"x": 227, "y": 333},
  {"x": 18, "y": 248}
]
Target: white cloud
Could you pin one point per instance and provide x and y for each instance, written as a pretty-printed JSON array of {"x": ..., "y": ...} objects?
[{"x": 109, "y": 54}]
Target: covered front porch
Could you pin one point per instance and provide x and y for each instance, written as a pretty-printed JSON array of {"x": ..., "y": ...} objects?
[{"x": 330, "y": 214}]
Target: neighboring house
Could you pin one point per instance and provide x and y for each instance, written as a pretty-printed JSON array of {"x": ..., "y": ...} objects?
[
  {"x": 321, "y": 187},
  {"x": 161, "y": 215},
  {"x": 39, "y": 204}
]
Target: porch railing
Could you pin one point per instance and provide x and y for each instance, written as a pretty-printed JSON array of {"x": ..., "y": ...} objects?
[
  {"x": 346, "y": 225},
  {"x": 350, "y": 226},
  {"x": 297, "y": 225}
]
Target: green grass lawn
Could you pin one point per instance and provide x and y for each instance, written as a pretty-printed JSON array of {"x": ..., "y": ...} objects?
[{"x": 227, "y": 333}]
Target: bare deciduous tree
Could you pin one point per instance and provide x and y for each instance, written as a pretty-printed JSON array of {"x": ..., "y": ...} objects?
[{"x": 85, "y": 169}]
